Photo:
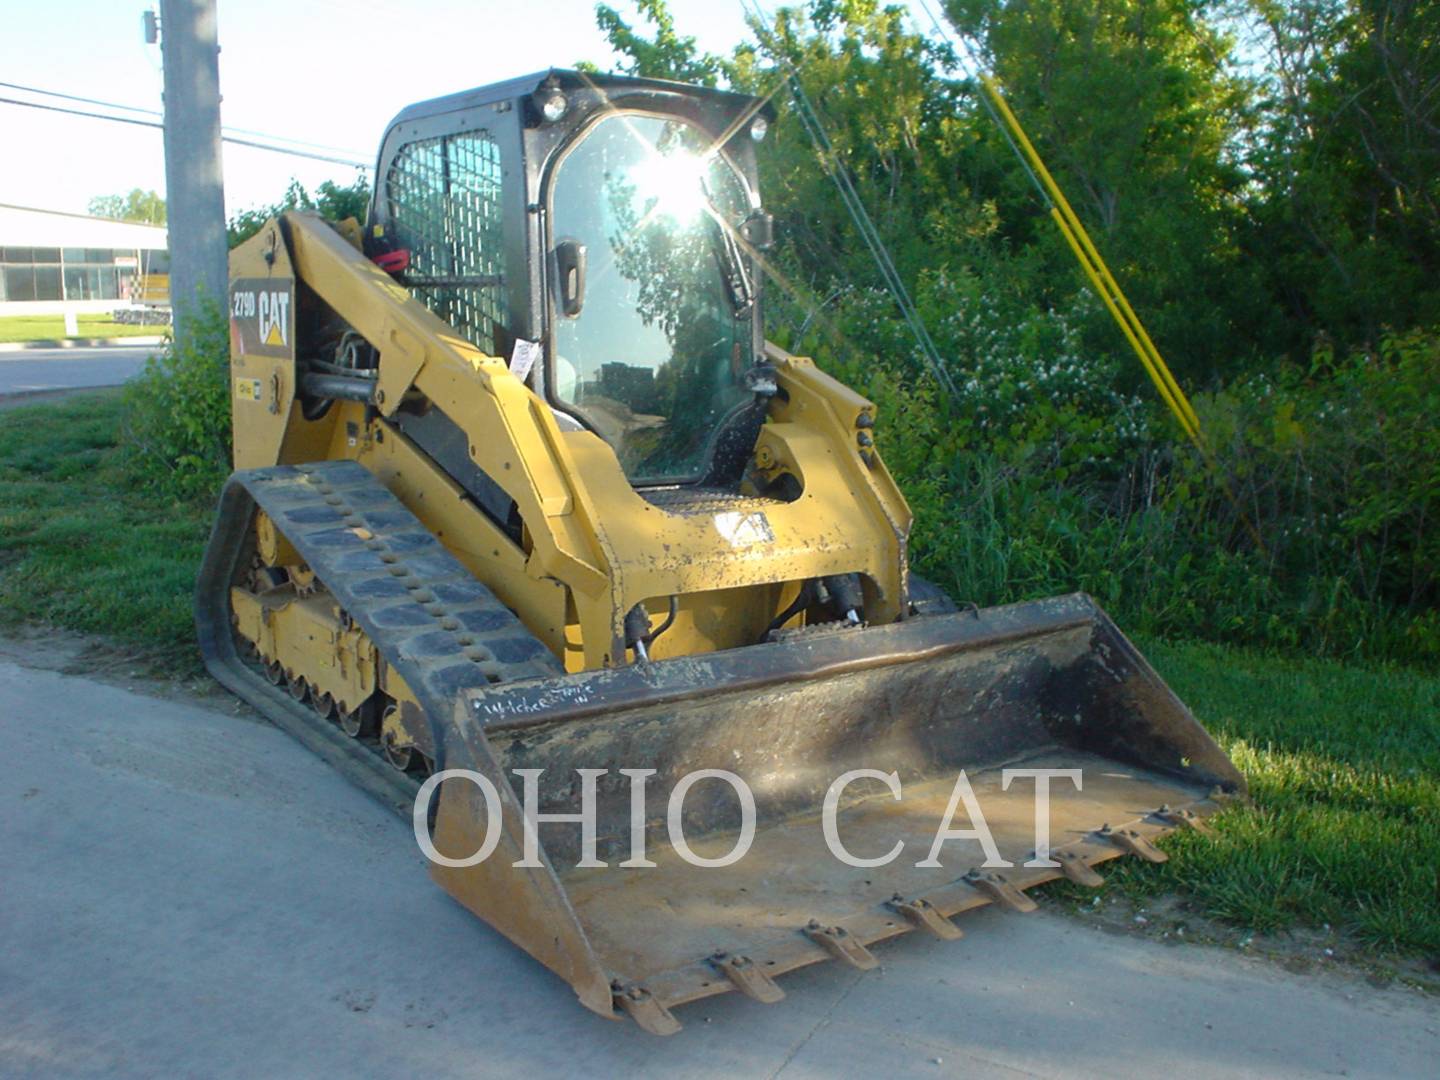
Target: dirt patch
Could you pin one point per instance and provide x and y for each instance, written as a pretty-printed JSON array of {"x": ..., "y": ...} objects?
[
  {"x": 137, "y": 670},
  {"x": 39, "y": 397},
  {"x": 1300, "y": 950}
]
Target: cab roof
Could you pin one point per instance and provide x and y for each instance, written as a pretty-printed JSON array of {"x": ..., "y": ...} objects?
[{"x": 525, "y": 86}]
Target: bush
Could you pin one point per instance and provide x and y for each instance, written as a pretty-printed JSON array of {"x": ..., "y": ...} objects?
[
  {"x": 1338, "y": 468},
  {"x": 1044, "y": 479},
  {"x": 176, "y": 433}
]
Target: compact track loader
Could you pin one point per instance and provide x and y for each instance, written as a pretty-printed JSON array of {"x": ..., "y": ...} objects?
[{"x": 522, "y": 490}]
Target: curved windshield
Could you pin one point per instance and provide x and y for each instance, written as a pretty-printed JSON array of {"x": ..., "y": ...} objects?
[{"x": 654, "y": 357}]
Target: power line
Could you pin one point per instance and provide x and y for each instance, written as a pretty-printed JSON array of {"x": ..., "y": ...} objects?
[
  {"x": 83, "y": 100},
  {"x": 78, "y": 112},
  {"x": 154, "y": 124},
  {"x": 975, "y": 72},
  {"x": 156, "y": 112},
  {"x": 292, "y": 142},
  {"x": 830, "y": 162}
]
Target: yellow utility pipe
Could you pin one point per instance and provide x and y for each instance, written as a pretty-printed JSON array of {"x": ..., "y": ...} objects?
[
  {"x": 1100, "y": 276},
  {"x": 1181, "y": 413}
]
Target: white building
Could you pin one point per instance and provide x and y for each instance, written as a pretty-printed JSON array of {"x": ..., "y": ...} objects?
[{"x": 53, "y": 263}]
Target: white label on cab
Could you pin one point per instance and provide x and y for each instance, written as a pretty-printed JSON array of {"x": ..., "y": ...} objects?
[{"x": 523, "y": 358}]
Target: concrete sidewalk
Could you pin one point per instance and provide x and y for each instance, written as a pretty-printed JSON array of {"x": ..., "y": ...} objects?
[
  {"x": 137, "y": 341},
  {"x": 186, "y": 892},
  {"x": 43, "y": 370}
]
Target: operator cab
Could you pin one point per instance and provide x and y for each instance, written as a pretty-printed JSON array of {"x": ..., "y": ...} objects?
[{"x": 609, "y": 227}]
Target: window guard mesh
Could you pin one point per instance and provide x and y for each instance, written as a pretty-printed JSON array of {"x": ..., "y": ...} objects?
[{"x": 445, "y": 207}]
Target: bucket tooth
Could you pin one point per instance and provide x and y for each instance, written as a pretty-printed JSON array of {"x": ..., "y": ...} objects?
[
  {"x": 841, "y": 945},
  {"x": 642, "y": 1007},
  {"x": 746, "y": 977},
  {"x": 923, "y": 915},
  {"x": 1184, "y": 819},
  {"x": 1074, "y": 866},
  {"x": 1000, "y": 889},
  {"x": 1132, "y": 842}
]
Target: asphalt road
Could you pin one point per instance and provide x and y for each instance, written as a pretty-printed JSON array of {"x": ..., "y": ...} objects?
[
  {"x": 186, "y": 892},
  {"x": 29, "y": 370}
]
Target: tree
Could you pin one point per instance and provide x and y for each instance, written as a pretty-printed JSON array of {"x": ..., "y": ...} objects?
[
  {"x": 1136, "y": 108},
  {"x": 668, "y": 56},
  {"x": 901, "y": 129},
  {"x": 1347, "y": 160},
  {"x": 1261, "y": 175},
  {"x": 142, "y": 206},
  {"x": 334, "y": 202}
]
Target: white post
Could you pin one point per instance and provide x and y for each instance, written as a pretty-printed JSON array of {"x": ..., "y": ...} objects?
[{"x": 72, "y": 325}]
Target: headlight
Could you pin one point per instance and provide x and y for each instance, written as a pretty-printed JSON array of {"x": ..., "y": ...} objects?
[
  {"x": 758, "y": 128},
  {"x": 554, "y": 107}
]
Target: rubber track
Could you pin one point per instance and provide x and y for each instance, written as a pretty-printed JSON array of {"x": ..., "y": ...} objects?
[{"x": 439, "y": 628}]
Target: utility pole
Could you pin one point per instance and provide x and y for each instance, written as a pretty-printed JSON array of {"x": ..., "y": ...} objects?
[{"x": 194, "y": 188}]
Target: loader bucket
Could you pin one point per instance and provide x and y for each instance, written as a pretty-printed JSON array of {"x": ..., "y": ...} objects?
[{"x": 1046, "y": 685}]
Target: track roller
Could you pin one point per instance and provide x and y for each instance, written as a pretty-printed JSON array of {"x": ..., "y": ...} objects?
[
  {"x": 359, "y": 722},
  {"x": 401, "y": 755}
]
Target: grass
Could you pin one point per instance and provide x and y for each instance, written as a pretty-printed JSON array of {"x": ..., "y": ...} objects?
[
  {"x": 1344, "y": 771},
  {"x": 81, "y": 548},
  {"x": 1343, "y": 761},
  {"x": 52, "y": 328}
]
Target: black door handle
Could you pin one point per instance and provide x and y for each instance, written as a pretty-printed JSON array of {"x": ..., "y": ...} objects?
[{"x": 570, "y": 276}]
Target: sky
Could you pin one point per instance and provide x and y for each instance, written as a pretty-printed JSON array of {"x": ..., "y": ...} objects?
[{"x": 331, "y": 72}]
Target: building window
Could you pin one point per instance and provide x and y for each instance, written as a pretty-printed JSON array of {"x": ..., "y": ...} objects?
[
  {"x": 69, "y": 273},
  {"x": 90, "y": 283},
  {"x": 47, "y": 283},
  {"x": 19, "y": 282}
]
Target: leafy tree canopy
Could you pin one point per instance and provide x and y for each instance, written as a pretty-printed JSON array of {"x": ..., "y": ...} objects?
[
  {"x": 333, "y": 201},
  {"x": 142, "y": 206},
  {"x": 1261, "y": 175}
]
